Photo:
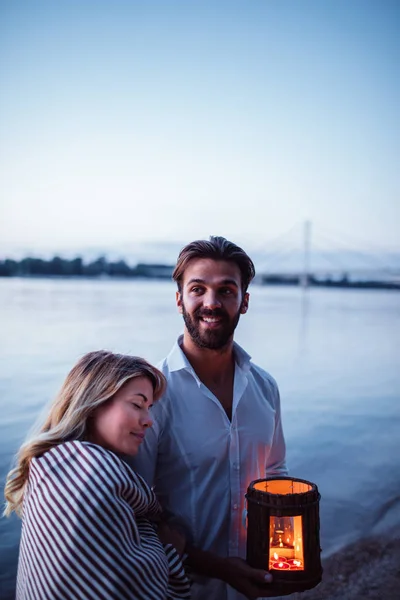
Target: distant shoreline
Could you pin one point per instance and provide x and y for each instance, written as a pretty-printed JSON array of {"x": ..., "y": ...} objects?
[
  {"x": 277, "y": 281},
  {"x": 101, "y": 268}
]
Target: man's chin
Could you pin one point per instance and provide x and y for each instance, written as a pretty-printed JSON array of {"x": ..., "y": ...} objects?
[
  {"x": 211, "y": 342},
  {"x": 208, "y": 337}
]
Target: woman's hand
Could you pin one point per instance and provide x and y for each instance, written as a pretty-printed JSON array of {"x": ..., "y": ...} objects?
[{"x": 169, "y": 535}]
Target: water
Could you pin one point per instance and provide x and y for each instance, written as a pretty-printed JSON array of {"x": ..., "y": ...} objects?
[{"x": 334, "y": 354}]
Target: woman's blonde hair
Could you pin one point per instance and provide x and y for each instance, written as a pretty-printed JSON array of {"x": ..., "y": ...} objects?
[{"x": 95, "y": 379}]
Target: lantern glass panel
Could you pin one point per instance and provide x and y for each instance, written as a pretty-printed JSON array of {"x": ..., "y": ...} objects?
[{"x": 286, "y": 543}]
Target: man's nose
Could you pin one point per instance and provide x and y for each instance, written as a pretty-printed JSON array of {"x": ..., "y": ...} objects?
[{"x": 211, "y": 300}]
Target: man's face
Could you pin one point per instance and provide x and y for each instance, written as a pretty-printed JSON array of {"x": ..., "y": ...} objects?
[{"x": 211, "y": 301}]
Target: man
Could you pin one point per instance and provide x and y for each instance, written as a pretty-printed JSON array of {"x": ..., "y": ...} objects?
[{"x": 219, "y": 425}]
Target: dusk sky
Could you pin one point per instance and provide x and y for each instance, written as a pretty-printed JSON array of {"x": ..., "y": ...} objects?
[{"x": 127, "y": 121}]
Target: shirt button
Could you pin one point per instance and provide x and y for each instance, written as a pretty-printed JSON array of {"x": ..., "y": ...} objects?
[{"x": 235, "y": 507}]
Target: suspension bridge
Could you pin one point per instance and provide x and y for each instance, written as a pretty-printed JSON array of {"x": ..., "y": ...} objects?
[{"x": 312, "y": 256}]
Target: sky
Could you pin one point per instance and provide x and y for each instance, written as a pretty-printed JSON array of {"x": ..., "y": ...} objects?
[{"x": 127, "y": 122}]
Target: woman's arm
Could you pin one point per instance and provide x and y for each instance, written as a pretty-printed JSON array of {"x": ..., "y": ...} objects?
[{"x": 94, "y": 544}]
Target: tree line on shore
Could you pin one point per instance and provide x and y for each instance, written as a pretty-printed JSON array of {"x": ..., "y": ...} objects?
[
  {"x": 101, "y": 267},
  {"x": 76, "y": 267}
]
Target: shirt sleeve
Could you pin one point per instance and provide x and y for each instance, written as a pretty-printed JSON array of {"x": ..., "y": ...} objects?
[{"x": 276, "y": 462}]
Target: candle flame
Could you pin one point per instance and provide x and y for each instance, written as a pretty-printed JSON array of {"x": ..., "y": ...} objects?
[
  {"x": 276, "y": 556},
  {"x": 280, "y": 564},
  {"x": 297, "y": 563},
  {"x": 298, "y": 548}
]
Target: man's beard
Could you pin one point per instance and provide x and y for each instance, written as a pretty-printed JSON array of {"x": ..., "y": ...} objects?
[{"x": 210, "y": 338}]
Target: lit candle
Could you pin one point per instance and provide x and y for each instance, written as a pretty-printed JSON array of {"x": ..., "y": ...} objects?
[
  {"x": 282, "y": 565},
  {"x": 279, "y": 563},
  {"x": 295, "y": 564}
]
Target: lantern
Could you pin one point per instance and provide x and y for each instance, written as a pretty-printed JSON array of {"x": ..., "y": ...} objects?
[{"x": 283, "y": 532}]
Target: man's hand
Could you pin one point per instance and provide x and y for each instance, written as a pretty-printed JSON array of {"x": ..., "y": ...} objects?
[
  {"x": 252, "y": 583},
  {"x": 170, "y": 535}
]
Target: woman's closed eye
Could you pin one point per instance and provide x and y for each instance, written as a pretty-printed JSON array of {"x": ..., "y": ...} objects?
[
  {"x": 142, "y": 406},
  {"x": 139, "y": 406}
]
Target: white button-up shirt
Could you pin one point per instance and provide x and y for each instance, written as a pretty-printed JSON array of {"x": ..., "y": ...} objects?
[{"x": 201, "y": 463}]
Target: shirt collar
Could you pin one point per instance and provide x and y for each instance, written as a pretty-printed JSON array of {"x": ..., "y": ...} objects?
[{"x": 177, "y": 360}]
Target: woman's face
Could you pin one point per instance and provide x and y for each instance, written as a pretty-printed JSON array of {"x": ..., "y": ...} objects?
[{"x": 121, "y": 423}]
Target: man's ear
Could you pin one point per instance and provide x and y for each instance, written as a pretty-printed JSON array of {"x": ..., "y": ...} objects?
[
  {"x": 245, "y": 304},
  {"x": 178, "y": 297}
]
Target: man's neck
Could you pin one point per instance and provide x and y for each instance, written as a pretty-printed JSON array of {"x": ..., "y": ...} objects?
[{"x": 216, "y": 365}]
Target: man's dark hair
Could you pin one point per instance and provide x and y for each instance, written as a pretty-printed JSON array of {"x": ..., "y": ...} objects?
[{"x": 216, "y": 248}]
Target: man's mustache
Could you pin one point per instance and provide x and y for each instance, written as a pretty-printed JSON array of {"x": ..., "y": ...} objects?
[{"x": 208, "y": 312}]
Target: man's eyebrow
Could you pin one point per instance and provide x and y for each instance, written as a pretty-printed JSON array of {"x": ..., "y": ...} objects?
[
  {"x": 195, "y": 280},
  {"x": 229, "y": 282},
  {"x": 223, "y": 282}
]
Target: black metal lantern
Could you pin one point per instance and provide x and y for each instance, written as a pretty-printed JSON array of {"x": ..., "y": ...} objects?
[{"x": 283, "y": 532}]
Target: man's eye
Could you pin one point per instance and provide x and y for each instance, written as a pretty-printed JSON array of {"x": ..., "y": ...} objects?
[
  {"x": 136, "y": 405},
  {"x": 226, "y": 292},
  {"x": 196, "y": 290}
]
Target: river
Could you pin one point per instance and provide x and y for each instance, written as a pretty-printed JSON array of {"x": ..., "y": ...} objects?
[{"x": 334, "y": 353}]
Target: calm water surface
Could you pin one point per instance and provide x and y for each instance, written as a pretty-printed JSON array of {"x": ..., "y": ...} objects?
[{"x": 334, "y": 353}]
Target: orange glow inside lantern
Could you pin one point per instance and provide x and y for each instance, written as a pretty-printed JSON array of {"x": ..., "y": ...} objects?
[
  {"x": 283, "y": 532},
  {"x": 286, "y": 543}
]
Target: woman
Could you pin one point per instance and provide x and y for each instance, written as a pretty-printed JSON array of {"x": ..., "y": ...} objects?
[{"x": 87, "y": 518}]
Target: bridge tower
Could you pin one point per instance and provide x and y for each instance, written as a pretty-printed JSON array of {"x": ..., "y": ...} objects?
[{"x": 305, "y": 277}]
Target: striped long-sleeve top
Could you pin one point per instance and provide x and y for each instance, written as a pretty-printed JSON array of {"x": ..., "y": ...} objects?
[{"x": 86, "y": 532}]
